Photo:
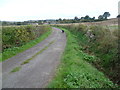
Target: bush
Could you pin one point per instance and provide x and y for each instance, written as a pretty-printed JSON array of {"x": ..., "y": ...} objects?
[
  {"x": 104, "y": 46},
  {"x": 19, "y": 39},
  {"x": 18, "y": 36}
]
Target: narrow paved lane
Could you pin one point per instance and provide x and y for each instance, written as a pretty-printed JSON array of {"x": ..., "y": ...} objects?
[{"x": 39, "y": 71}]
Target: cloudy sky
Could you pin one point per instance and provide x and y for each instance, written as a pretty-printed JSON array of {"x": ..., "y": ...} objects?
[{"x": 20, "y": 10}]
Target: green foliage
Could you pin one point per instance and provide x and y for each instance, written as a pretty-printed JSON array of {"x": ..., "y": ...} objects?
[
  {"x": 89, "y": 58},
  {"x": 104, "y": 47},
  {"x": 16, "y": 69},
  {"x": 106, "y": 14},
  {"x": 75, "y": 72},
  {"x": 18, "y": 36},
  {"x": 18, "y": 39},
  {"x": 26, "y": 61}
]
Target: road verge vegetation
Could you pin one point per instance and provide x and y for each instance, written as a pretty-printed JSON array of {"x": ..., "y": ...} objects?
[
  {"x": 76, "y": 69},
  {"x": 18, "y": 39},
  {"x": 103, "y": 42}
]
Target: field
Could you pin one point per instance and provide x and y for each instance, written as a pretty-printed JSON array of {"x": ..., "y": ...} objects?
[{"x": 110, "y": 22}]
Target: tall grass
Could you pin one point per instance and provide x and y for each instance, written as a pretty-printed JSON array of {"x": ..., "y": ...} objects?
[
  {"x": 104, "y": 46},
  {"x": 18, "y": 39},
  {"x": 75, "y": 72}
]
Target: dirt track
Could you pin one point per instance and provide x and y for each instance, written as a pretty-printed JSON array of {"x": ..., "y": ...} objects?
[{"x": 40, "y": 70}]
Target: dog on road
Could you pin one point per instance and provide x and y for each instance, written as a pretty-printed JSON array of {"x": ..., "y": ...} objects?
[{"x": 62, "y": 31}]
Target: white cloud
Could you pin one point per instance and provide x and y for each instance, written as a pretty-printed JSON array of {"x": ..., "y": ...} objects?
[{"x": 45, "y": 9}]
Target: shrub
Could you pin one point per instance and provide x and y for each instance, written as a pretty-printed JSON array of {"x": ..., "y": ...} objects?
[
  {"x": 18, "y": 36},
  {"x": 105, "y": 46}
]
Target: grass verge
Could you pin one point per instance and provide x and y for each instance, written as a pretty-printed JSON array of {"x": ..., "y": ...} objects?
[
  {"x": 75, "y": 72},
  {"x": 14, "y": 51}
]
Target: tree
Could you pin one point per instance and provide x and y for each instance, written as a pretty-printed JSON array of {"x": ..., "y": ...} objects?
[
  {"x": 82, "y": 17},
  {"x": 19, "y": 23},
  {"x": 93, "y": 18},
  {"x": 118, "y": 16},
  {"x": 87, "y": 17},
  {"x": 106, "y": 14},
  {"x": 100, "y": 17},
  {"x": 64, "y": 19},
  {"x": 60, "y": 19},
  {"x": 4, "y": 23},
  {"x": 76, "y": 18}
]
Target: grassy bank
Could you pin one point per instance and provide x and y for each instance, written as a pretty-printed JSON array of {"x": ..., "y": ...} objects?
[
  {"x": 21, "y": 41},
  {"x": 102, "y": 42},
  {"x": 75, "y": 71}
]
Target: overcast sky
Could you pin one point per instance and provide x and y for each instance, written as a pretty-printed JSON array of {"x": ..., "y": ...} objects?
[{"x": 20, "y": 10}]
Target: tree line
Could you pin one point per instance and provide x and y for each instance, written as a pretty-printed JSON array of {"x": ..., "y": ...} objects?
[{"x": 86, "y": 18}]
